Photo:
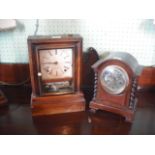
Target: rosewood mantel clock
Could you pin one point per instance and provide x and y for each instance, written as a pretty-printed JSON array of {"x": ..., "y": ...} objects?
[
  {"x": 116, "y": 84},
  {"x": 55, "y": 69}
]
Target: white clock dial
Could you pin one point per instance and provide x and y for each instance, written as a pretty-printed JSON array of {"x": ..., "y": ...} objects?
[
  {"x": 114, "y": 79},
  {"x": 56, "y": 63}
]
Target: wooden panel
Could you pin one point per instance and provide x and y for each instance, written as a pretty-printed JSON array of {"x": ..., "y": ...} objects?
[
  {"x": 147, "y": 78},
  {"x": 13, "y": 73},
  {"x": 57, "y": 105}
]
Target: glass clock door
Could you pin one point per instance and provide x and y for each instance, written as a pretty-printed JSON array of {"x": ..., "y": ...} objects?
[
  {"x": 56, "y": 70},
  {"x": 114, "y": 79}
]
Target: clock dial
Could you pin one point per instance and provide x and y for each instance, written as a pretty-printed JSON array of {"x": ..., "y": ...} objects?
[
  {"x": 56, "y": 63},
  {"x": 114, "y": 79}
]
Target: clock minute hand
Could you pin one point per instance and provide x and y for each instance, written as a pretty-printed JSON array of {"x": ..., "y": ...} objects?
[{"x": 55, "y": 63}]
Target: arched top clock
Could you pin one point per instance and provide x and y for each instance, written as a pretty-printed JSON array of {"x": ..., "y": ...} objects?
[{"x": 116, "y": 84}]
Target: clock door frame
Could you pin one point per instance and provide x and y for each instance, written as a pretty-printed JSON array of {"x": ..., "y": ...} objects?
[
  {"x": 114, "y": 99},
  {"x": 34, "y": 47},
  {"x": 38, "y": 67}
]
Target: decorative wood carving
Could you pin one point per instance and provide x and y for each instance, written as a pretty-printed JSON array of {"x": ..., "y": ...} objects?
[{"x": 89, "y": 58}]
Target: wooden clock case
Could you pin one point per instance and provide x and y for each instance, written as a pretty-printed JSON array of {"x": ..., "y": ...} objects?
[
  {"x": 124, "y": 103},
  {"x": 44, "y": 104}
]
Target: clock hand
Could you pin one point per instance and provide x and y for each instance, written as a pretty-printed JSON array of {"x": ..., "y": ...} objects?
[{"x": 54, "y": 63}]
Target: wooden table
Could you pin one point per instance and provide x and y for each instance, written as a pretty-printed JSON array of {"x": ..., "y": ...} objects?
[{"x": 16, "y": 118}]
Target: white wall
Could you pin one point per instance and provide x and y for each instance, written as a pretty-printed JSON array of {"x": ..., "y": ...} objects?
[{"x": 136, "y": 36}]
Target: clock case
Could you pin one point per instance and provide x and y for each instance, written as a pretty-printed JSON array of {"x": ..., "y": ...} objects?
[
  {"x": 46, "y": 103},
  {"x": 124, "y": 103}
]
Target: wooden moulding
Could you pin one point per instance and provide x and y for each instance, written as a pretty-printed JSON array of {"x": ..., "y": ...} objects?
[
  {"x": 3, "y": 99},
  {"x": 57, "y": 105}
]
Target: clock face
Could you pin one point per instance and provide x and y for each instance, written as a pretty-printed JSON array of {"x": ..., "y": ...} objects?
[
  {"x": 114, "y": 79},
  {"x": 56, "y": 70},
  {"x": 56, "y": 63}
]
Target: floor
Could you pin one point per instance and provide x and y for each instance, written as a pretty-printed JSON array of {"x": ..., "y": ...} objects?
[{"x": 16, "y": 119}]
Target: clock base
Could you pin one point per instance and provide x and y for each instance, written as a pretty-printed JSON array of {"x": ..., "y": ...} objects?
[
  {"x": 123, "y": 111},
  {"x": 48, "y": 105},
  {"x": 3, "y": 99}
]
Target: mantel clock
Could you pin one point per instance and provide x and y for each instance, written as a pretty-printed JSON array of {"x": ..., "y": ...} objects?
[
  {"x": 55, "y": 69},
  {"x": 116, "y": 84}
]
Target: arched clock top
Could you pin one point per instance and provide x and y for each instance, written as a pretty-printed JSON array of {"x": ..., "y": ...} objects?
[{"x": 124, "y": 58}]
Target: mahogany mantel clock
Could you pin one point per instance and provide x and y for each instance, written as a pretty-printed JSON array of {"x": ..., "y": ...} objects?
[
  {"x": 116, "y": 84},
  {"x": 55, "y": 69}
]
